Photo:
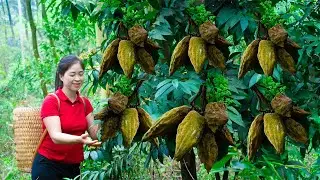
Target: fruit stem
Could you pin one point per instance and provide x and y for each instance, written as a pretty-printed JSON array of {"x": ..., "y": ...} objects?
[
  {"x": 136, "y": 92},
  {"x": 261, "y": 97}
]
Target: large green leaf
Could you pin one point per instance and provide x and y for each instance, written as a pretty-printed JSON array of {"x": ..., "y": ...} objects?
[
  {"x": 163, "y": 90},
  {"x": 218, "y": 166},
  {"x": 185, "y": 88},
  {"x": 235, "y": 116},
  {"x": 233, "y": 20},
  {"x": 164, "y": 82},
  {"x": 164, "y": 30},
  {"x": 244, "y": 23},
  {"x": 255, "y": 79},
  {"x": 225, "y": 14},
  {"x": 155, "y": 34},
  {"x": 175, "y": 83}
]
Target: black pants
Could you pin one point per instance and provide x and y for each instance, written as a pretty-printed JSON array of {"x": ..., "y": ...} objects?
[{"x": 45, "y": 169}]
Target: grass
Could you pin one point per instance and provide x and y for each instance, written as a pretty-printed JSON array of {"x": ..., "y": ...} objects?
[{"x": 8, "y": 165}]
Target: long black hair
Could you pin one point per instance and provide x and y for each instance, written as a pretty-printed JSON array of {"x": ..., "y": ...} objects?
[{"x": 64, "y": 64}]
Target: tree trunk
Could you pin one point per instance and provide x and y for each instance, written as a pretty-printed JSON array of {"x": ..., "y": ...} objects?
[
  {"x": 188, "y": 166},
  {"x": 5, "y": 26},
  {"x": 26, "y": 18},
  {"x": 51, "y": 41},
  {"x": 33, "y": 30},
  {"x": 21, "y": 36},
  {"x": 10, "y": 19},
  {"x": 35, "y": 45}
]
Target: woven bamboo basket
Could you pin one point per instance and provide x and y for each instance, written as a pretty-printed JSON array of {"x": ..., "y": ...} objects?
[{"x": 27, "y": 132}]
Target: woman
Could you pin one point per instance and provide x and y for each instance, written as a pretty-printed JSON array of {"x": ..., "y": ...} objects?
[{"x": 66, "y": 120}]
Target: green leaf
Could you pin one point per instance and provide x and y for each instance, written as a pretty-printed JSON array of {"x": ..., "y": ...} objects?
[
  {"x": 175, "y": 83},
  {"x": 92, "y": 174},
  {"x": 154, "y": 34},
  {"x": 237, "y": 33},
  {"x": 244, "y": 23},
  {"x": 235, "y": 116},
  {"x": 86, "y": 154},
  {"x": 80, "y": 6},
  {"x": 185, "y": 88},
  {"x": 317, "y": 50},
  {"x": 96, "y": 175},
  {"x": 167, "y": 12},
  {"x": 239, "y": 97},
  {"x": 315, "y": 116},
  {"x": 74, "y": 12},
  {"x": 132, "y": 148},
  {"x": 154, "y": 154},
  {"x": 224, "y": 15},
  {"x": 162, "y": 83},
  {"x": 310, "y": 37},
  {"x": 102, "y": 175},
  {"x": 232, "y": 88},
  {"x": 95, "y": 74},
  {"x": 254, "y": 79},
  {"x": 155, "y": 4},
  {"x": 220, "y": 164},
  {"x": 168, "y": 91},
  {"x": 277, "y": 72},
  {"x": 161, "y": 20},
  {"x": 147, "y": 162},
  {"x": 94, "y": 155},
  {"x": 234, "y": 54},
  {"x": 233, "y": 20},
  {"x": 66, "y": 10},
  {"x": 237, "y": 83},
  {"x": 163, "y": 148},
  {"x": 164, "y": 30},
  {"x": 162, "y": 90},
  {"x": 241, "y": 165}
]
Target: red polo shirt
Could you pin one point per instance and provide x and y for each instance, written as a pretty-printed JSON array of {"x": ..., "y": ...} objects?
[{"x": 73, "y": 121}]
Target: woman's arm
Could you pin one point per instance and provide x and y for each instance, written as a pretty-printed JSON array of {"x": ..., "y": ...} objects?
[
  {"x": 53, "y": 126},
  {"x": 92, "y": 128}
]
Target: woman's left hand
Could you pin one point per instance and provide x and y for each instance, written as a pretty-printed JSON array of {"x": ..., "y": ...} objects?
[
  {"x": 96, "y": 144},
  {"x": 85, "y": 139}
]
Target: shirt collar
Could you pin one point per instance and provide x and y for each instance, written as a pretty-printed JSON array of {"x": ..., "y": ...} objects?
[{"x": 63, "y": 97}]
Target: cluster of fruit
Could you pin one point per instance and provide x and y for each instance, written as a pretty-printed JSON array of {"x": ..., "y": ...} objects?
[
  {"x": 209, "y": 46},
  {"x": 127, "y": 53},
  {"x": 276, "y": 125},
  {"x": 265, "y": 53}
]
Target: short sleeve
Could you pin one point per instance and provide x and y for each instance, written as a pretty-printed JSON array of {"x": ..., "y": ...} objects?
[
  {"x": 89, "y": 107},
  {"x": 50, "y": 107}
]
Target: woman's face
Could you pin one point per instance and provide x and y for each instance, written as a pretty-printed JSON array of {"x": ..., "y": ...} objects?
[{"x": 73, "y": 77}]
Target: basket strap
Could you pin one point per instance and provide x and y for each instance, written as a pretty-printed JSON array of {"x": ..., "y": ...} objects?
[
  {"x": 84, "y": 103},
  {"x": 53, "y": 94},
  {"x": 45, "y": 132}
]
